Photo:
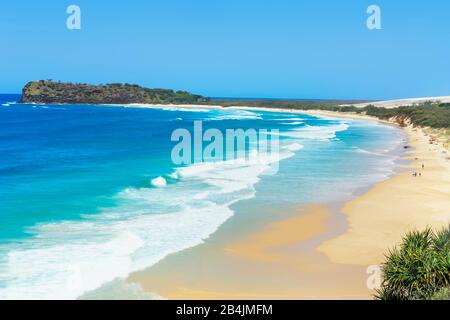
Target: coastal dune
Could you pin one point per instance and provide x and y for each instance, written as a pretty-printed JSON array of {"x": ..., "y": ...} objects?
[{"x": 404, "y": 102}]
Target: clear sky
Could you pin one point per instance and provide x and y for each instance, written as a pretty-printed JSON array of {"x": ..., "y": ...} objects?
[{"x": 233, "y": 48}]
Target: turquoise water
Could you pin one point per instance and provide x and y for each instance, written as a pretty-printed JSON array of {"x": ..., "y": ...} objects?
[{"x": 89, "y": 194}]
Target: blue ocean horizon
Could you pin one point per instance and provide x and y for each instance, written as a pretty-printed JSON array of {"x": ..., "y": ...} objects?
[{"x": 90, "y": 192}]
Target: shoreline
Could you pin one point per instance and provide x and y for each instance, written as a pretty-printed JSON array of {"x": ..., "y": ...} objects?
[
  {"x": 341, "y": 259},
  {"x": 379, "y": 219},
  {"x": 255, "y": 252},
  {"x": 275, "y": 262}
]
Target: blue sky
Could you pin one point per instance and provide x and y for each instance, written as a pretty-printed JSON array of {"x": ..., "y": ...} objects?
[{"x": 233, "y": 48}]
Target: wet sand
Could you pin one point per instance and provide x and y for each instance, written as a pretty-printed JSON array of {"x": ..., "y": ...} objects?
[{"x": 278, "y": 262}]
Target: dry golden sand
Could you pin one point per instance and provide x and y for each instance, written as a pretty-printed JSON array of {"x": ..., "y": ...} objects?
[
  {"x": 378, "y": 219},
  {"x": 302, "y": 257}
]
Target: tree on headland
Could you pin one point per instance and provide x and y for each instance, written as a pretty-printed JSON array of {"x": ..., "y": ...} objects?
[{"x": 45, "y": 91}]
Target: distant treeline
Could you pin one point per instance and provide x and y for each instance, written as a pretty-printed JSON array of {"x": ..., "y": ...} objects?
[
  {"x": 283, "y": 103},
  {"x": 433, "y": 115},
  {"x": 47, "y": 91},
  {"x": 428, "y": 114}
]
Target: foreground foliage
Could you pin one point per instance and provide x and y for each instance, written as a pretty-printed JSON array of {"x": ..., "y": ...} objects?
[{"x": 419, "y": 268}]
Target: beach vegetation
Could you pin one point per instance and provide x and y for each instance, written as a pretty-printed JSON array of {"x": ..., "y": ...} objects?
[
  {"x": 419, "y": 268},
  {"x": 433, "y": 114}
]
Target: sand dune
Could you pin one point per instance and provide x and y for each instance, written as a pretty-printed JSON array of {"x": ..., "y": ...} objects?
[{"x": 403, "y": 102}]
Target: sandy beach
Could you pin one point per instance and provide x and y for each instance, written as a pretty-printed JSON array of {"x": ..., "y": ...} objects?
[
  {"x": 277, "y": 262},
  {"x": 305, "y": 256},
  {"x": 378, "y": 219},
  {"x": 252, "y": 151},
  {"x": 404, "y": 102}
]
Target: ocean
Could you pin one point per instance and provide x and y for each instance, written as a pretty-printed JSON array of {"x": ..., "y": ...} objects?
[{"x": 89, "y": 194}]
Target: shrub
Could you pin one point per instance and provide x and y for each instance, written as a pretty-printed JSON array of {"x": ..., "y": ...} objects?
[{"x": 419, "y": 268}]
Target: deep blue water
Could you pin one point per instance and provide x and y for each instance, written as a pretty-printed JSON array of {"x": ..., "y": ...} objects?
[{"x": 89, "y": 193}]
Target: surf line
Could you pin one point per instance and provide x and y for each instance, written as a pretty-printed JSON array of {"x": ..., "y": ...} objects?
[{"x": 236, "y": 144}]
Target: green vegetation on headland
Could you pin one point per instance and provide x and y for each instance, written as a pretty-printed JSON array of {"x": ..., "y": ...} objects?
[
  {"x": 419, "y": 269},
  {"x": 431, "y": 114},
  {"x": 46, "y": 91}
]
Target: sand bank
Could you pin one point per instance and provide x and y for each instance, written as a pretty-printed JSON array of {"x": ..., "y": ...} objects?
[{"x": 278, "y": 262}]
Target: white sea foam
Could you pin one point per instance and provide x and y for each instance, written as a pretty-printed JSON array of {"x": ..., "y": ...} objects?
[
  {"x": 293, "y": 123},
  {"x": 101, "y": 251},
  {"x": 173, "y": 175},
  {"x": 364, "y": 151},
  {"x": 120, "y": 290},
  {"x": 289, "y": 119},
  {"x": 64, "y": 260},
  {"x": 9, "y": 103},
  {"x": 294, "y": 147},
  {"x": 236, "y": 115},
  {"x": 187, "y": 109},
  {"x": 67, "y": 259},
  {"x": 314, "y": 132},
  {"x": 159, "y": 182}
]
